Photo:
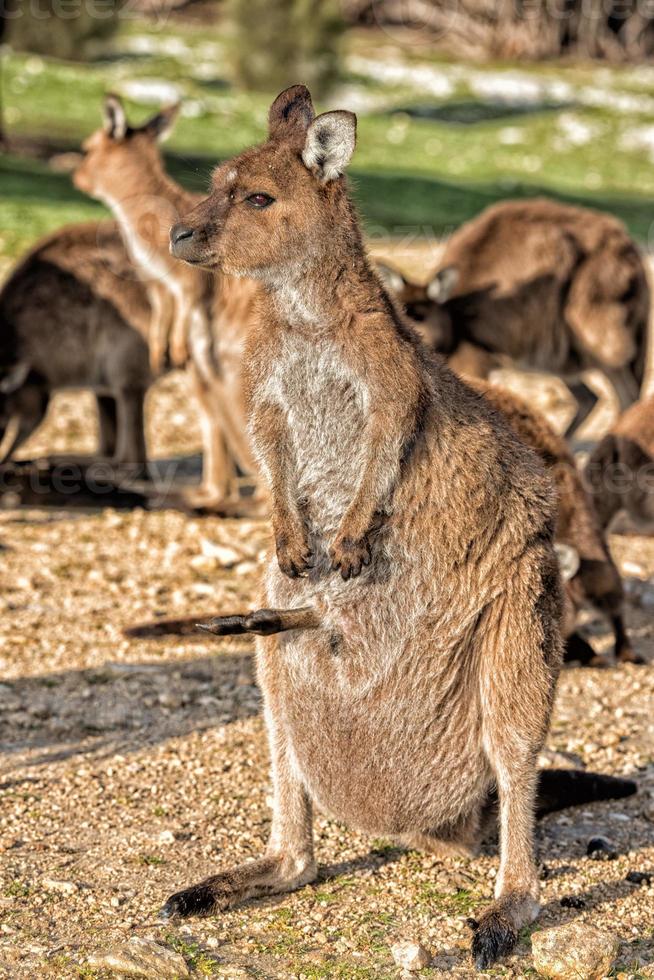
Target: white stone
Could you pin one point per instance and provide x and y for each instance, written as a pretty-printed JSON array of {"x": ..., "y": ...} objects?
[
  {"x": 410, "y": 956},
  {"x": 575, "y": 951},
  {"x": 141, "y": 958}
]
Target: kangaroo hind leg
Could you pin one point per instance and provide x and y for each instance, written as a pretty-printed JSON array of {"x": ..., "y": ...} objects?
[
  {"x": 520, "y": 658},
  {"x": 288, "y": 862}
]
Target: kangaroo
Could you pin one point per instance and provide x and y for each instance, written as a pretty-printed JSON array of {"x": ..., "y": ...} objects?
[
  {"x": 594, "y": 577},
  {"x": 620, "y": 471},
  {"x": 550, "y": 286},
  {"x": 72, "y": 315},
  {"x": 198, "y": 316},
  {"x": 415, "y": 586}
]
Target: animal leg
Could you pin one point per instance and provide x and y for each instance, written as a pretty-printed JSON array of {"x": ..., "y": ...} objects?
[
  {"x": 288, "y": 862},
  {"x": 161, "y": 326},
  {"x": 519, "y": 661},
  {"x": 586, "y": 400},
  {"x": 218, "y": 470},
  {"x": 130, "y": 442},
  {"x": 108, "y": 425},
  {"x": 624, "y": 384},
  {"x": 26, "y": 417}
]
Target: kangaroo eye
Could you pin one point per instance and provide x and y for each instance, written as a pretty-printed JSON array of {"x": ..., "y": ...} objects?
[{"x": 260, "y": 200}]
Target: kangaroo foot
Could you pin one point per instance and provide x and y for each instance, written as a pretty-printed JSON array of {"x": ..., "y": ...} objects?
[
  {"x": 267, "y": 876},
  {"x": 264, "y": 622},
  {"x": 495, "y": 932},
  {"x": 627, "y": 655}
]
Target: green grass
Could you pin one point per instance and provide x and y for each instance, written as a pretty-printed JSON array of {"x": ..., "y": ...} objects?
[{"x": 423, "y": 164}]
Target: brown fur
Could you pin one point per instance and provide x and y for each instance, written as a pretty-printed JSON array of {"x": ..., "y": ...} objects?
[
  {"x": 200, "y": 319},
  {"x": 577, "y": 525},
  {"x": 551, "y": 286},
  {"x": 73, "y": 315},
  {"x": 431, "y": 676},
  {"x": 620, "y": 472}
]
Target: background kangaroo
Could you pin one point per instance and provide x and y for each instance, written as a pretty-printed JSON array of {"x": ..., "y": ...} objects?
[
  {"x": 423, "y": 675},
  {"x": 200, "y": 318},
  {"x": 620, "y": 471},
  {"x": 553, "y": 287},
  {"x": 596, "y": 580},
  {"x": 72, "y": 315}
]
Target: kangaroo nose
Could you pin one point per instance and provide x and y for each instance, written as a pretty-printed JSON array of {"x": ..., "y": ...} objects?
[{"x": 180, "y": 233}]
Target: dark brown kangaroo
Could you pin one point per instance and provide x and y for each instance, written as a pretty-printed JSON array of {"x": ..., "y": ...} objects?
[
  {"x": 551, "y": 286},
  {"x": 595, "y": 578},
  {"x": 73, "y": 315}
]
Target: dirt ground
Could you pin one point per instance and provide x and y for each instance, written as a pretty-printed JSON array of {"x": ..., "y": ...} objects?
[{"x": 134, "y": 765}]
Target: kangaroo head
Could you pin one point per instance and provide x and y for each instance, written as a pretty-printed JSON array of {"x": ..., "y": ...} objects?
[
  {"x": 117, "y": 155},
  {"x": 426, "y": 304},
  {"x": 276, "y": 206}
]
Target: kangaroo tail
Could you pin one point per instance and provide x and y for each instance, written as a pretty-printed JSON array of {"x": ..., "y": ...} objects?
[{"x": 561, "y": 788}]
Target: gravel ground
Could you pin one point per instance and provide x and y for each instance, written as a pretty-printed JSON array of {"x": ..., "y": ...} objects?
[{"x": 133, "y": 765}]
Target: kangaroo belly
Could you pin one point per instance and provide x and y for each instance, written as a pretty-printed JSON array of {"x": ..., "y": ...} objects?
[{"x": 398, "y": 755}]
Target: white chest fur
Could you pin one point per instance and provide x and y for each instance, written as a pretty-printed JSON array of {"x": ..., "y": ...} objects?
[{"x": 325, "y": 406}]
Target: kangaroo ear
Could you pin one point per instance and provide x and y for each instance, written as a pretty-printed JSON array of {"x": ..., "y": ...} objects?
[
  {"x": 15, "y": 379},
  {"x": 115, "y": 121},
  {"x": 390, "y": 277},
  {"x": 330, "y": 143},
  {"x": 291, "y": 113},
  {"x": 161, "y": 126},
  {"x": 443, "y": 284}
]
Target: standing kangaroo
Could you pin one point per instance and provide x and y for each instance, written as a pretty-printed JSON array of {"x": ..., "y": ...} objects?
[
  {"x": 552, "y": 287},
  {"x": 416, "y": 585},
  {"x": 72, "y": 315},
  {"x": 198, "y": 317}
]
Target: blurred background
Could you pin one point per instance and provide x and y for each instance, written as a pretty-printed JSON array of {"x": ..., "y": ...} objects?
[{"x": 460, "y": 103}]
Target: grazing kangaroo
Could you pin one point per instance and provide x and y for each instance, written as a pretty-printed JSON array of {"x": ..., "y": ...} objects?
[
  {"x": 72, "y": 315},
  {"x": 416, "y": 586},
  {"x": 552, "y": 287},
  {"x": 620, "y": 471},
  {"x": 595, "y": 578},
  {"x": 199, "y": 317}
]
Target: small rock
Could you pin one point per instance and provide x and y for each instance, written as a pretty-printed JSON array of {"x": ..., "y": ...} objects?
[
  {"x": 166, "y": 837},
  {"x": 640, "y": 877},
  {"x": 600, "y": 849},
  {"x": 575, "y": 951},
  {"x": 223, "y": 554},
  {"x": 410, "y": 956},
  {"x": 57, "y": 885},
  {"x": 141, "y": 958}
]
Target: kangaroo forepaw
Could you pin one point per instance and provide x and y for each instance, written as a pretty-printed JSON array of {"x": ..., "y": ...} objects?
[
  {"x": 349, "y": 556},
  {"x": 294, "y": 556},
  {"x": 494, "y": 936}
]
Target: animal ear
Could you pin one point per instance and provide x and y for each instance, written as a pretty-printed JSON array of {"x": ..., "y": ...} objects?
[
  {"x": 115, "y": 121},
  {"x": 15, "y": 379},
  {"x": 569, "y": 560},
  {"x": 390, "y": 277},
  {"x": 291, "y": 113},
  {"x": 330, "y": 143},
  {"x": 443, "y": 284},
  {"x": 161, "y": 126}
]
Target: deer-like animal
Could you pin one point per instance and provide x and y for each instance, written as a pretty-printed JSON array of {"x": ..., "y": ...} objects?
[
  {"x": 594, "y": 577},
  {"x": 415, "y": 588},
  {"x": 549, "y": 286},
  {"x": 200, "y": 318},
  {"x": 620, "y": 471},
  {"x": 72, "y": 314}
]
